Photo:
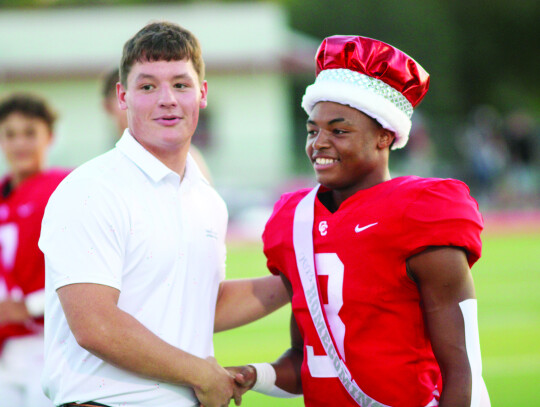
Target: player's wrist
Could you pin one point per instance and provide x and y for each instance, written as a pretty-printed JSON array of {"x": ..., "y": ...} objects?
[
  {"x": 265, "y": 377},
  {"x": 265, "y": 381}
]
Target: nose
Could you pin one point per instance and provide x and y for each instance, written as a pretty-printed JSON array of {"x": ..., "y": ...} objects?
[
  {"x": 320, "y": 141},
  {"x": 167, "y": 97}
]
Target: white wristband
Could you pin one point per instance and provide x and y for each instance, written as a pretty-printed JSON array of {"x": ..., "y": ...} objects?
[{"x": 266, "y": 382}]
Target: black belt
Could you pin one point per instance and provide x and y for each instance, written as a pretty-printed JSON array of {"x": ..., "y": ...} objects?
[{"x": 87, "y": 404}]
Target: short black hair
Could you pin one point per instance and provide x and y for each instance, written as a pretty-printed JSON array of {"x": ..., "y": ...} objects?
[{"x": 28, "y": 105}]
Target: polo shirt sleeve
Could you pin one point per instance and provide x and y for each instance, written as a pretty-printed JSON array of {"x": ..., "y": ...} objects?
[
  {"x": 443, "y": 214},
  {"x": 83, "y": 234}
]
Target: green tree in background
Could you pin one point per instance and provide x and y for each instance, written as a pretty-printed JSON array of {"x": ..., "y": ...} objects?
[{"x": 477, "y": 52}]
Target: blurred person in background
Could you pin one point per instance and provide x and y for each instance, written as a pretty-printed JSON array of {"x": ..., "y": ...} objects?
[
  {"x": 521, "y": 185},
  {"x": 119, "y": 116},
  {"x": 377, "y": 268},
  {"x": 485, "y": 152},
  {"x": 420, "y": 154},
  {"x": 26, "y": 133},
  {"x": 134, "y": 244}
]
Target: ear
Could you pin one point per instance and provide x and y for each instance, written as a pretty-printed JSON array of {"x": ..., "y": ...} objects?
[
  {"x": 204, "y": 95},
  {"x": 121, "y": 96},
  {"x": 386, "y": 137}
]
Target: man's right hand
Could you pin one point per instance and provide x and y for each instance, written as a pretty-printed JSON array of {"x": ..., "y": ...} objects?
[{"x": 218, "y": 387}]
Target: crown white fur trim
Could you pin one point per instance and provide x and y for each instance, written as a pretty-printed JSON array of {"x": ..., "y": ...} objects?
[{"x": 364, "y": 99}]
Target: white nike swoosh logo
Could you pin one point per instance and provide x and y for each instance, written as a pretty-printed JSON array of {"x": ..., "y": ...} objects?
[{"x": 358, "y": 229}]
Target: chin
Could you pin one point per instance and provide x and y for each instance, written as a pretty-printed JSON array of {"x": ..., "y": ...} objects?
[{"x": 325, "y": 182}]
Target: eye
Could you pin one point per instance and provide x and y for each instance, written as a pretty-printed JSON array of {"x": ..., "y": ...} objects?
[
  {"x": 339, "y": 133},
  {"x": 180, "y": 85},
  {"x": 147, "y": 87},
  {"x": 30, "y": 133},
  {"x": 312, "y": 132}
]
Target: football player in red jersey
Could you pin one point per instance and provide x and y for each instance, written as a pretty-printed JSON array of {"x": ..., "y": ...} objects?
[
  {"x": 378, "y": 268},
  {"x": 26, "y": 132}
]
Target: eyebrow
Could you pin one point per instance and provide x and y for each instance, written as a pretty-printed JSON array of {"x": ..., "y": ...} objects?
[
  {"x": 142, "y": 76},
  {"x": 333, "y": 121}
]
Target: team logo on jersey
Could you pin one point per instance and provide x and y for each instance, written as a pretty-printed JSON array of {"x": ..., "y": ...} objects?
[
  {"x": 323, "y": 228},
  {"x": 359, "y": 228}
]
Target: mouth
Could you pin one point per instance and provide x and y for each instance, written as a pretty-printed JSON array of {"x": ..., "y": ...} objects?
[
  {"x": 168, "y": 120},
  {"x": 322, "y": 163}
]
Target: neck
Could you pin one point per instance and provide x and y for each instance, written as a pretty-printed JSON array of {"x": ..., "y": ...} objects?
[
  {"x": 342, "y": 194},
  {"x": 173, "y": 157},
  {"x": 18, "y": 178},
  {"x": 174, "y": 160}
]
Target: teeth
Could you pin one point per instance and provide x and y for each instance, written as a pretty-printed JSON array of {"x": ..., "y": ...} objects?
[{"x": 324, "y": 161}]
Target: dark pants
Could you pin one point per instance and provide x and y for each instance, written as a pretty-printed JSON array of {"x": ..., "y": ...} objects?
[{"x": 87, "y": 404}]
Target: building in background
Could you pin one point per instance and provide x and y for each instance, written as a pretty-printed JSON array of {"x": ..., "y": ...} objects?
[{"x": 245, "y": 134}]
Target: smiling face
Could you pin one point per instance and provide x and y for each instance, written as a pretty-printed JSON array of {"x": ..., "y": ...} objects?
[
  {"x": 162, "y": 99},
  {"x": 24, "y": 141},
  {"x": 348, "y": 150}
]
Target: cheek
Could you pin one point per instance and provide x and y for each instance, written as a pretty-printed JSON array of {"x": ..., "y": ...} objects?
[
  {"x": 309, "y": 147},
  {"x": 139, "y": 106},
  {"x": 43, "y": 144}
]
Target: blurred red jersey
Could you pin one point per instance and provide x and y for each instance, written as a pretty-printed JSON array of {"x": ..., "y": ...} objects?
[
  {"x": 22, "y": 265},
  {"x": 372, "y": 306}
]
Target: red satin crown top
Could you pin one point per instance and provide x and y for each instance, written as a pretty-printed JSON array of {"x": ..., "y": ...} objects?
[{"x": 375, "y": 59}]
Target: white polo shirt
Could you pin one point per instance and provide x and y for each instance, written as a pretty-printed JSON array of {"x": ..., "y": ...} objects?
[{"x": 127, "y": 221}]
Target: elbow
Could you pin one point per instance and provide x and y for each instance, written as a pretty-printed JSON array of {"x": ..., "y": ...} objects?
[
  {"x": 219, "y": 327},
  {"x": 91, "y": 339}
]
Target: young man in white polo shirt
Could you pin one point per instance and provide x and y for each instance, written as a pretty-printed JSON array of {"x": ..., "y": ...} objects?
[{"x": 134, "y": 249}]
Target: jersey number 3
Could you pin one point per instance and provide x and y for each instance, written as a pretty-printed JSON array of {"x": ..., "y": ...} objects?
[{"x": 330, "y": 272}]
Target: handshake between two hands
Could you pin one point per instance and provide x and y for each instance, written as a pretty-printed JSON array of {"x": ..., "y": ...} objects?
[{"x": 225, "y": 384}]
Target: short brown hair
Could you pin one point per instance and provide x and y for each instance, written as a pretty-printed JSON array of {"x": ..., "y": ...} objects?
[
  {"x": 28, "y": 105},
  {"x": 161, "y": 41}
]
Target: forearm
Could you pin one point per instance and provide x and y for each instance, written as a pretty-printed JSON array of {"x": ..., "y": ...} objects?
[
  {"x": 123, "y": 341},
  {"x": 288, "y": 371},
  {"x": 456, "y": 390},
  {"x": 246, "y": 300},
  {"x": 118, "y": 338}
]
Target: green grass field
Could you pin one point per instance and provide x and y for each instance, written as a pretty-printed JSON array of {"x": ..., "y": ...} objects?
[{"x": 507, "y": 280}]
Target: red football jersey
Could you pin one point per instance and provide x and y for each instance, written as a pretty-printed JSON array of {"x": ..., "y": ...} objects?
[
  {"x": 22, "y": 265},
  {"x": 372, "y": 306}
]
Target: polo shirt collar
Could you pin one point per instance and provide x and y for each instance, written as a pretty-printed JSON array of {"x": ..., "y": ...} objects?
[
  {"x": 143, "y": 159},
  {"x": 193, "y": 172},
  {"x": 149, "y": 164}
]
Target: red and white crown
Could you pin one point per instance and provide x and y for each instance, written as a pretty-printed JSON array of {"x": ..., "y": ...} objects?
[{"x": 371, "y": 76}]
